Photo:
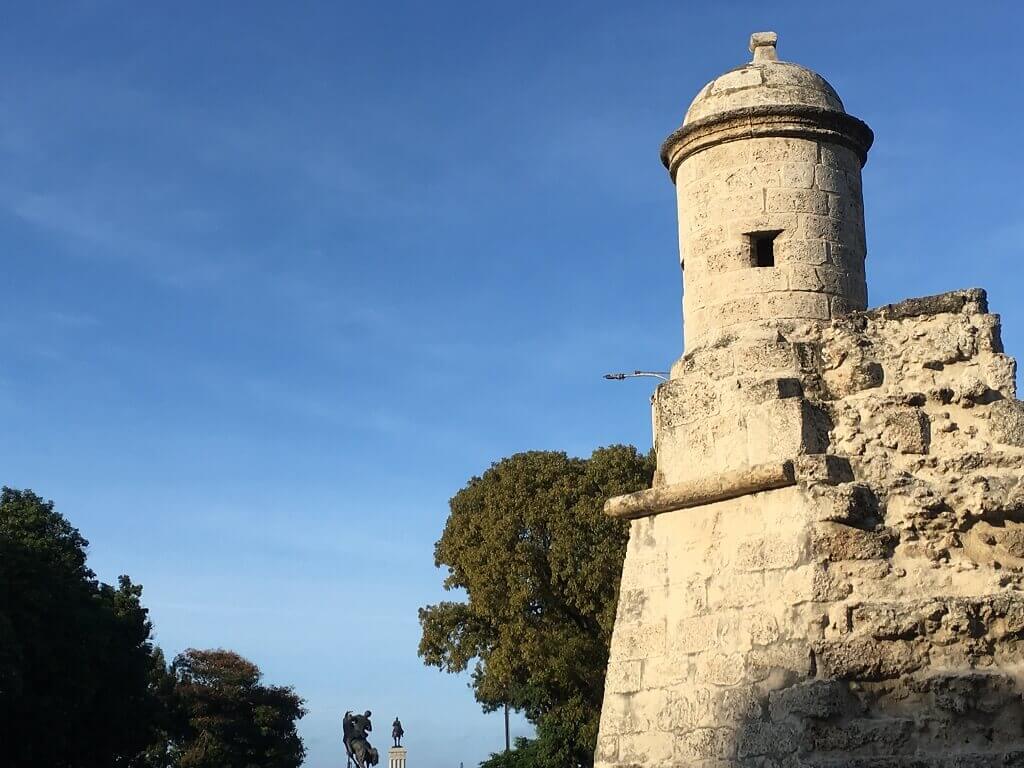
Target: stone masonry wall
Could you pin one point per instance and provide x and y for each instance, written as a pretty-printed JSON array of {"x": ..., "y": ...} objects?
[
  {"x": 811, "y": 193},
  {"x": 872, "y": 614}
]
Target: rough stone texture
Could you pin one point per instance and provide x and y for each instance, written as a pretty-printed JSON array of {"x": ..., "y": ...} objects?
[
  {"x": 763, "y": 82},
  {"x": 807, "y": 191},
  {"x": 871, "y": 614}
]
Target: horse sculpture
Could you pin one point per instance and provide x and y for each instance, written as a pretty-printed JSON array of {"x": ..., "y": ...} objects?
[{"x": 358, "y": 749}]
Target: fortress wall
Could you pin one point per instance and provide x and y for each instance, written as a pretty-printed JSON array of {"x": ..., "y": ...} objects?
[
  {"x": 871, "y": 617},
  {"x": 711, "y": 610}
]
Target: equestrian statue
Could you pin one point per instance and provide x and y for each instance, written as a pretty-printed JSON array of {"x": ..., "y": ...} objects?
[{"x": 354, "y": 730}]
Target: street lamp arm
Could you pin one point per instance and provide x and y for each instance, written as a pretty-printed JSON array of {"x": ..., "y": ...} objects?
[{"x": 663, "y": 375}]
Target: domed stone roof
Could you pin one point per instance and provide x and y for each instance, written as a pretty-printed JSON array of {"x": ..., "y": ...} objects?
[
  {"x": 764, "y": 81},
  {"x": 766, "y": 97}
]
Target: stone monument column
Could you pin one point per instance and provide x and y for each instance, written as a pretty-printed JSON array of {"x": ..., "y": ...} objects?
[
  {"x": 829, "y": 569},
  {"x": 396, "y": 757}
]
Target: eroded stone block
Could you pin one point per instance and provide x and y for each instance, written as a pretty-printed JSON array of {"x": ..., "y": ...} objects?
[
  {"x": 834, "y": 541},
  {"x": 1007, "y": 422},
  {"x": 819, "y": 699}
]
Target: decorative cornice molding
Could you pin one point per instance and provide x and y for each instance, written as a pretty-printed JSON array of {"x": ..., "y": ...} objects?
[{"x": 798, "y": 121}]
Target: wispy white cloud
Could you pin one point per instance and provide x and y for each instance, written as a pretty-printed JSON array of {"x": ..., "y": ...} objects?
[
  {"x": 68, "y": 319},
  {"x": 95, "y": 230},
  {"x": 289, "y": 399}
]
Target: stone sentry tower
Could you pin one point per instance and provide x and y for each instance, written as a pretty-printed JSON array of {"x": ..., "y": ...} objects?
[
  {"x": 771, "y": 218},
  {"x": 828, "y": 569}
]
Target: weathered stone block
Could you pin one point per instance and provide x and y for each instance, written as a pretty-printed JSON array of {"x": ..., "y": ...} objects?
[
  {"x": 607, "y": 749},
  {"x": 852, "y": 504},
  {"x": 785, "y": 429},
  {"x": 736, "y": 590},
  {"x": 684, "y": 711},
  {"x": 768, "y": 553},
  {"x": 640, "y": 641},
  {"x": 646, "y": 566},
  {"x": 834, "y": 541},
  {"x": 820, "y": 699},
  {"x": 821, "y": 227},
  {"x": 796, "y": 251},
  {"x": 796, "y": 201},
  {"x": 621, "y": 715},
  {"x": 835, "y": 156},
  {"x": 787, "y": 661},
  {"x": 761, "y": 627},
  {"x": 1000, "y": 373},
  {"x": 823, "y": 469},
  {"x": 623, "y": 676},
  {"x": 769, "y": 150},
  {"x": 765, "y": 357},
  {"x": 795, "y": 304},
  {"x": 694, "y": 635},
  {"x": 908, "y": 430},
  {"x": 709, "y": 362},
  {"x": 706, "y": 744},
  {"x": 731, "y": 257},
  {"x": 687, "y": 399},
  {"x": 813, "y": 584},
  {"x": 796, "y": 175},
  {"x": 631, "y": 606},
  {"x": 763, "y": 738},
  {"x": 844, "y": 207},
  {"x": 867, "y": 660},
  {"x": 969, "y": 301},
  {"x": 1007, "y": 422},
  {"x": 741, "y": 703},
  {"x": 648, "y": 748},
  {"x": 749, "y": 390},
  {"x": 723, "y": 669},
  {"x": 852, "y": 376},
  {"x": 885, "y": 736}
]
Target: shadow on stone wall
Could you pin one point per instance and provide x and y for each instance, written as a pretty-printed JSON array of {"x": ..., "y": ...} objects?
[{"x": 972, "y": 720}]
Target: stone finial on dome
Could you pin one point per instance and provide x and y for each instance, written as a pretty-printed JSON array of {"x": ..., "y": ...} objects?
[
  {"x": 762, "y": 45},
  {"x": 765, "y": 97}
]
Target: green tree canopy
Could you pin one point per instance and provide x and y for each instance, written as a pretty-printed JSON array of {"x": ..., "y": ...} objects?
[
  {"x": 75, "y": 656},
  {"x": 228, "y": 719},
  {"x": 522, "y": 755},
  {"x": 539, "y": 564}
]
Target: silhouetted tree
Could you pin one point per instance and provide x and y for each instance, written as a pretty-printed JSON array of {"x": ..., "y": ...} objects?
[
  {"x": 228, "y": 719},
  {"x": 75, "y": 655}
]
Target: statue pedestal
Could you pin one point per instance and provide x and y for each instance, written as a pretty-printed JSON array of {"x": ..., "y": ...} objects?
[{"x": 396, "y": 757}]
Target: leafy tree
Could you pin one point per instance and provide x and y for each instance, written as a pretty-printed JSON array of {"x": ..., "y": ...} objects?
[
  {"x": 522, "y": 755},
  {"x": 168, "y": 722},
  {"x": 75, "y": 655},
  {"x": 81, "y": 685},
  {"x": 539, "y": 564},
  {"x": 228, "y": 719}
]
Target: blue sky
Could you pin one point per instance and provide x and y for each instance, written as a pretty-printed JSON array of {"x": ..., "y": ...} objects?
[{"x": 280, "y": 277}]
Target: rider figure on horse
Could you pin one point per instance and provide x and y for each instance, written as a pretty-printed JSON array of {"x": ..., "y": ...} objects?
[{"x": 354, "y": 729}]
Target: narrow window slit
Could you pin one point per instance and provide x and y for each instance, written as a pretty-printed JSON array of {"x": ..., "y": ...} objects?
[{"x": 762, "y": 248}]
